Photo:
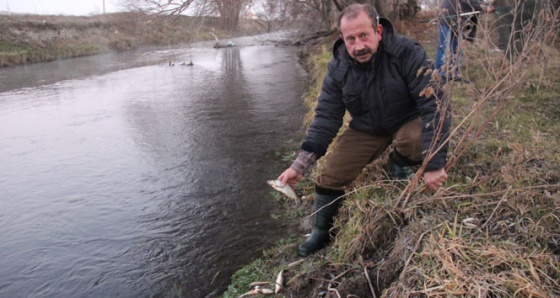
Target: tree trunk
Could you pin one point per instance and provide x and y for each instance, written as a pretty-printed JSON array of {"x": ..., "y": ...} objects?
[
  {"x": 380, "y": 6},
  {"x": 229, "y": 11}
]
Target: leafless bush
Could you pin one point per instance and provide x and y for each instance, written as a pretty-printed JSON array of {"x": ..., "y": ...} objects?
[{"x": 499, "y": 77}]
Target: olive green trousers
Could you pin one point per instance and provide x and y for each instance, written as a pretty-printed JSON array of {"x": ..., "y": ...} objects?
[{"x": 353, "y": 150}]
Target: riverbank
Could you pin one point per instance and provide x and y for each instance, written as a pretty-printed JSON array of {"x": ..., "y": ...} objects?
[
  {"x": 36, "y": 38},
  {"x": 492, "y": 231}
]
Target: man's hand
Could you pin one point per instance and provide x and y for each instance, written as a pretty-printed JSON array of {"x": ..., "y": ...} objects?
[
  {"x": 289, "y": 176},
  {"x": 489, "y": 8},
  {"x": 435, "y": 179}
]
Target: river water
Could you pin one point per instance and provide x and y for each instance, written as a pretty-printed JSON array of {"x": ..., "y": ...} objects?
[{"x": 123, "y": 176}]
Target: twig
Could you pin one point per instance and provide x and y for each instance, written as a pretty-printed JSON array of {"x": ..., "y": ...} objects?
[
  {"x": 416, "y": 247},
  {"x": 497, "y": 206},
  {"x": 334, "y": 290},
  {"x": 369, "y": 283},
  {"x": 340, "y": 275},
  {"x": 489, "y": 194}
]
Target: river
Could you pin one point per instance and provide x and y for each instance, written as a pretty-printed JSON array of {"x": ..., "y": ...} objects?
[{"x": 122, "y": 175}]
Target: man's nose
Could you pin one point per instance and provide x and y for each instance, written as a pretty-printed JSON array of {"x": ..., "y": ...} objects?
[{"x": 359, "y": 45}]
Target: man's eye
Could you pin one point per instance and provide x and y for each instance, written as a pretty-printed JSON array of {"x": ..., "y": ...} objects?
[{"x": 364, "y": 35}]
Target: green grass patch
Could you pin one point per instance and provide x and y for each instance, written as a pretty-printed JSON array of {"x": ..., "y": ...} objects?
[{"x": 492, "y": 231}]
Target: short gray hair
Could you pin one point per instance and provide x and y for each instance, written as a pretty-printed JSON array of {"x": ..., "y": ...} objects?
[{"x": 353, "y": 10}]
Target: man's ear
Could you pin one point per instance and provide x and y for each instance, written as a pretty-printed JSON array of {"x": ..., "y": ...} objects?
[
  {"x": 379, "y": 31},
  {"x": 340, "y": 35}
]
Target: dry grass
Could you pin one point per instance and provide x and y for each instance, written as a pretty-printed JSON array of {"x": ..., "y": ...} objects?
[
  {"x": 37, "y": 38},
  {"x": 494, "y": 229}
]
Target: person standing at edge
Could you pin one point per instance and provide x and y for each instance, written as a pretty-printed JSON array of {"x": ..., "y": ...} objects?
[
  {"x": 452, "y": 18},
  {"x": 374, "y": 74}
]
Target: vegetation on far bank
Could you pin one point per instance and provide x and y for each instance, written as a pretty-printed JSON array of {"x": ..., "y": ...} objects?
[
  {"x": 36, "y": 38},
  {"x": 492, "y": 231}
]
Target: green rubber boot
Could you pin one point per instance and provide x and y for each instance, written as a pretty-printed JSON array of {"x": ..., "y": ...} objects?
[{"x": 322, "y": 223}]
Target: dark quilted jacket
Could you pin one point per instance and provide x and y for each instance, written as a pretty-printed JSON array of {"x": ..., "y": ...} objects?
[{"x": 380, "y": 96}]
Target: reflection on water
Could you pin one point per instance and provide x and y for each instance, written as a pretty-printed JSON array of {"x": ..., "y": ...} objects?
[{"x": 148, "y": 181}]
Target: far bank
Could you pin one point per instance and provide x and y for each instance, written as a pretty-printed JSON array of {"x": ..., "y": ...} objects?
[{"x": 37, "y": 38}]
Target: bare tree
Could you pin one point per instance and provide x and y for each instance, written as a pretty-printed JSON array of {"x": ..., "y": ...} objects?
[
  {"x": 404, "y": 9},
  {"x": 272, "y": 11},
  {"x": 319, "y": 13},
  {"x": 310, "y": 15},
  {"x": 157, "y": 6},
  {"x": 380, "y": 5},
  {"x": 315, "y": 14},
  {"x": 228, "y": 10}
]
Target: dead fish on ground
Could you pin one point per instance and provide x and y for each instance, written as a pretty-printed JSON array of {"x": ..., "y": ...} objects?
[
  {"x": 286, "y": 190},
  {"x": 295, "y": 263},
  {"x": 258, "y": 290},
  {"x": 258, "y": 284},
  {"x": 279, "y": 282}
]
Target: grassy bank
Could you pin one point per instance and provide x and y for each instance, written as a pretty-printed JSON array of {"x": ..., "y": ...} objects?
[
  {"x": 492, "y": 231},
  {"x": 35, "y": 38}
]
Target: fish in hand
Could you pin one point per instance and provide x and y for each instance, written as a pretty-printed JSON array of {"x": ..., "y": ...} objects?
[{"x": 286, "y": 189}]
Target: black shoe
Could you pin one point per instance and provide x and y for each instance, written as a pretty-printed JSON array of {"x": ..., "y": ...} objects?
[
  {"x": 398, "y": 168},
  {"x": 397, "y": 172}
]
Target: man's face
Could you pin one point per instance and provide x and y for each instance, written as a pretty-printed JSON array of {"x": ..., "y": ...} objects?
[{"x": 359, "y": 36}]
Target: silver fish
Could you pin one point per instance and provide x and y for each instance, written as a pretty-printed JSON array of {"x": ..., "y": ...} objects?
[
  {"x": 286, "y": 190},
  {"x": 258, "y": 290},
  {"x": 279, "y": 282}
]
